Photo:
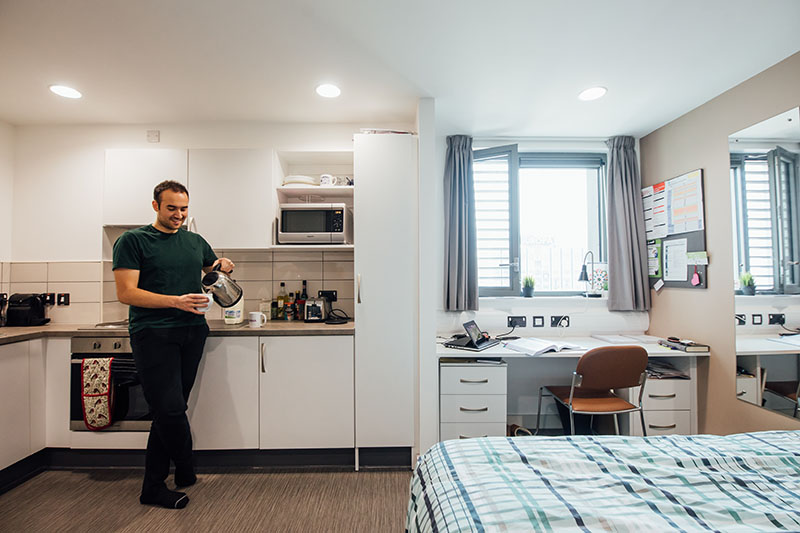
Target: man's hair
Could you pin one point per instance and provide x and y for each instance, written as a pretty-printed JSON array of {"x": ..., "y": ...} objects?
[{"x": 168, "y": 185}]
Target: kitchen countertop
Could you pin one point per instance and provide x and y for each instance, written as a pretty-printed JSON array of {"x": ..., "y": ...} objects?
[{"x": 273, "y": 328}]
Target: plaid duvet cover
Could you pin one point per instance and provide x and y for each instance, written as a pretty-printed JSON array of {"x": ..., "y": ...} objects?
[{"x": 744, "y": 482}]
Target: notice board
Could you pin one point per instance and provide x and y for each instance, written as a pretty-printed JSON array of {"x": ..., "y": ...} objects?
[{"x": 674, "y": 220}]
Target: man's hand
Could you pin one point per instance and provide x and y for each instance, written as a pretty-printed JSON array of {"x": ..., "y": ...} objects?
[
  {"x": 225, "y": 264},
  {"x": 190, "y": 302}
]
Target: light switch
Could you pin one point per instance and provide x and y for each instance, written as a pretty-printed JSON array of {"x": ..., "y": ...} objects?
[{"x": 757, "y": 320}]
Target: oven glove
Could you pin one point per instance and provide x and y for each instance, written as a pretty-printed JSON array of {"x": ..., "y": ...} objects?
[{"x": 96, "y": 394}]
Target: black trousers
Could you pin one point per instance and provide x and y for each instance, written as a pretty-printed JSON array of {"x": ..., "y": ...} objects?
[{"x": 166, "y": 361}]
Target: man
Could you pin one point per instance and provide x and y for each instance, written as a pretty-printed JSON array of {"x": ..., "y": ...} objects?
[{"x": 157, "y": 269}]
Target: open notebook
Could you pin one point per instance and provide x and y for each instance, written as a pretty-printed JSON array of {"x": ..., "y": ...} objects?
[{"x": 534, "y": 346}]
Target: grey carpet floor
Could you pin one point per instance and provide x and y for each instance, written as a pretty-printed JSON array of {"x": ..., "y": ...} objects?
[{"x": 106, "y": 500}]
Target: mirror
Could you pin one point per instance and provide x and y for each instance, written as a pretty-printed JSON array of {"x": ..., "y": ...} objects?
[{"x": 765, "y": 195}]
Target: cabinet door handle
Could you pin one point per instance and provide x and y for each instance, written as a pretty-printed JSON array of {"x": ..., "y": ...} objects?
[
  {"x": 471, "y": 437},
  {"x": 484, "y": 380},
  {"x": 671, "y": 426},
  {"x": 263, "y": 367},
  {"x": 358, "y": 288},
  {"x": 475, "y": 410},
  {"x": 741, "y": 393},
  {"x": 662, "y": 395}
]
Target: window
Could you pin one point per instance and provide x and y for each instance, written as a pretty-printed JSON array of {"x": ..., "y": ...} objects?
[
  {"x": 537, "y": 214},
  {"x": 765, "y": 210}
]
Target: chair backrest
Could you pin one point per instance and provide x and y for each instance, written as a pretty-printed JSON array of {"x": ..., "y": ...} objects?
[{"x": 612, "y": 367}]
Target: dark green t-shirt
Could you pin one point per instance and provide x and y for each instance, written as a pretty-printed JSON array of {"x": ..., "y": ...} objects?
[{"x": 168, "y": 263}]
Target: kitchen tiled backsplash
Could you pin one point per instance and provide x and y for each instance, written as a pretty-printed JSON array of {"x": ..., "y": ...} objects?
[{"x": 93, "y": 296}]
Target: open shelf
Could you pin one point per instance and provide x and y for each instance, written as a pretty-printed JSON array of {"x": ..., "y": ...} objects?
[
  {"x": 299, "y": 191},
  {"x": 312, "y": 247}
]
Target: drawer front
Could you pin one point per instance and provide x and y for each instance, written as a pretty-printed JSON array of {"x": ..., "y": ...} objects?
[
  {"x": 665, "y": 394},
  {"x": 476, "y": 379},
  {"x": 663, "y": 423},
  {"x": 747, "y": 389},
  {"x": 472, "y": 408},
  {"x": 469, "y": 430}
]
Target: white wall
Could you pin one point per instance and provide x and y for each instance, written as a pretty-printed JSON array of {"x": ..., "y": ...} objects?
[
  {"x": 57, "y": 207},
  {"x": 6, "y": 188}
]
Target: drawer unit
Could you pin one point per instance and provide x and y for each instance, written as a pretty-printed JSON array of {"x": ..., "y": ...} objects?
[
  {"x": 470, "y": 430},
  {"x": 472, "y": 400},
  {"x": 472, "y": 408},
  {"x": 747, "y": 389},
  {"x": 665, "y": 394},
  {"x": 663, "y": 423},
  {"x": 476, "y": 379}
]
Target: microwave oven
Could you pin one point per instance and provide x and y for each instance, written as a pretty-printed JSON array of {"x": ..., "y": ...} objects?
[{"x": 315, "y": 224}]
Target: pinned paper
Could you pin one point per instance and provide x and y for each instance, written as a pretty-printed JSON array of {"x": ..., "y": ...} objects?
[
  {"x": 697, "y": 258},
  {"x": 658, "y": 284},
  {"x": 675, "y": 260}
]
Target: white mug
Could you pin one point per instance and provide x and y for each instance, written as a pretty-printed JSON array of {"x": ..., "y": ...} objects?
[
  {"x": 205, "y": 308},
  {"x": 256, "y": 319}
]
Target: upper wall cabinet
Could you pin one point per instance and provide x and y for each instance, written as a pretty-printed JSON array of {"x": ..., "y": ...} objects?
[
  {"x": 131, "y": 175},
  {"x": 231, "y": 197}
]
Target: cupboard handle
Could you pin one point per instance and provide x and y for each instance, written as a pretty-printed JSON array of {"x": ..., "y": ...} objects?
[
  {"x": 475, "y": 410},
  {"x": 741, "y": 393},
  {"x": 484, "y": 380},
  {"x": 662, "y": 395},
  {"x": 469, "y": 437},
  {"x": 263, "y": 367},
  {"x": 671, "y": 426},
  {"x": 358, "y": 288}
]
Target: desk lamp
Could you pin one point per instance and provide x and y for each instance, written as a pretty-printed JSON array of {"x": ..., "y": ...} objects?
[{"x": 585, "y": 277}]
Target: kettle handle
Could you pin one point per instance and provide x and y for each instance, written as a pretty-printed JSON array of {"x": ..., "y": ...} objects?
[{"x": 218, "y": 266}]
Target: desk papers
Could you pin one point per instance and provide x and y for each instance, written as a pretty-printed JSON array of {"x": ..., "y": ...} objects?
[
  {"x": 534, "y": 346},
  {"x": 794, "y": 340}
]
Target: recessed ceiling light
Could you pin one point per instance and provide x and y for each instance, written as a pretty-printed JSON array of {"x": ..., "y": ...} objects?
[
  {"x": 593, "y": 93},
  {"x": 328, "y": 90},
  {"x": 66, "y": 92}
]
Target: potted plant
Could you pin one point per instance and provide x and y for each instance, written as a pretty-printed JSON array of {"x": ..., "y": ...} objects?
[
  {"x": 527, "y": 286},
  {"x": 747, "y": 284}
]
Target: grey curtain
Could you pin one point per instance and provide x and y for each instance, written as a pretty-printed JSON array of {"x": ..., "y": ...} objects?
[
  {"x": 628, "y": 285},
  {"x": 461, "y": 247}
]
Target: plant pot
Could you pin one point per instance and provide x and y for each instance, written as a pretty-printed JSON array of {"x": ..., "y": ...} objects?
[
  {"x": 527, "y": 292},
  {"x": 749, "y": 290}
]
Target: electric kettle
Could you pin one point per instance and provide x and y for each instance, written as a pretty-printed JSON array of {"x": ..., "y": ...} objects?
[{"x": 226, "y": 291}]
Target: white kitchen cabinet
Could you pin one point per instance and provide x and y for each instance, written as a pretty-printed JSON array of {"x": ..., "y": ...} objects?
[
  {"x": 36, "y": 373},
  {"x": 231, "y": 197},
  {"x": 223, "y": 406},
  {"x": 306, "y": 392},
  {"x": 15, "y": 404},
  {"x": 131, "y": 175},
  {"x": 386, "y": 267}
]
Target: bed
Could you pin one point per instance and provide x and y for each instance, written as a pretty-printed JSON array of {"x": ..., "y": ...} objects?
[{"x": 743, "y": 482}]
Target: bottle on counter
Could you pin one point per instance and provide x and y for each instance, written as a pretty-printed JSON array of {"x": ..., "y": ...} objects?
[
  {"x": 281, "y": 299},
  {"x": 288, "y": 309},
  {"x": 301, "y": 303},
  {"x": 273, "y": 310}
]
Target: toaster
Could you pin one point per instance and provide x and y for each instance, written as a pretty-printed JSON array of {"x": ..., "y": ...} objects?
[{"x": 315, "y": 310}]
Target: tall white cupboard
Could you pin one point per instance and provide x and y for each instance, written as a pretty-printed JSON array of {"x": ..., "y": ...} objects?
[{"x": 386, "y": 278}]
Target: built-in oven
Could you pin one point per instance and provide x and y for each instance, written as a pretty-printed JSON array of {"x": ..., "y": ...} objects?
[{"x": 129, "y": 410}]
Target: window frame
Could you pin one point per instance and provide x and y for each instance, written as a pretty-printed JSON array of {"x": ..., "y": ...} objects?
[
  {"x": 780, "y": 264},
  {"x": 530, "y": 159}
]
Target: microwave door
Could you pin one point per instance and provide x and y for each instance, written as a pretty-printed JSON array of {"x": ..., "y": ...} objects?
[{"x": 304, "y": 225}]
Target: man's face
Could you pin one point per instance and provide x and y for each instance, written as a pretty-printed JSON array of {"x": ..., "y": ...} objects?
[{"x": 173, "y": 210}]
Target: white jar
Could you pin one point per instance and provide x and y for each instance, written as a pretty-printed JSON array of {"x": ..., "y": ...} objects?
[{"x": 235, "y": 313}]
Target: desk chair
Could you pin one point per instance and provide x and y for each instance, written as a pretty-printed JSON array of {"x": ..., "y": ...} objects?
[
  {"x": 599, "y": 373},
  {"x": 788, "y": 389}
]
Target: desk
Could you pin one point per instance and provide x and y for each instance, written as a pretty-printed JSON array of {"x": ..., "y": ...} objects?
[
  {"x": 768, "y": 360},
  {"x": 670, "y": 405}
]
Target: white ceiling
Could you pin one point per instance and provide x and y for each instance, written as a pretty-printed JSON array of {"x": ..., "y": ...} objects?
[{"x": 496, "y": 69}]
